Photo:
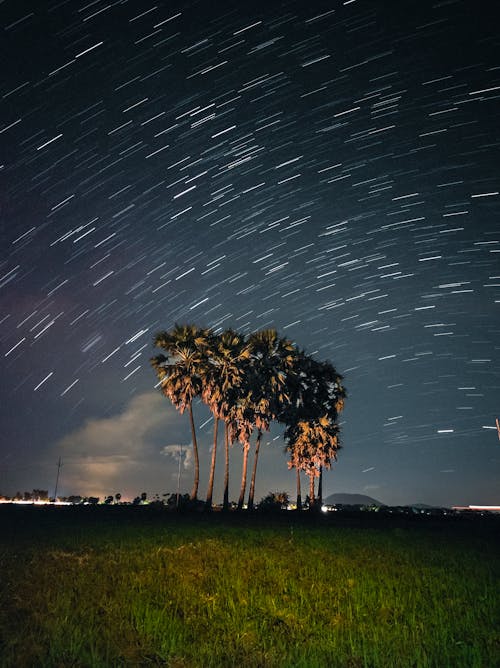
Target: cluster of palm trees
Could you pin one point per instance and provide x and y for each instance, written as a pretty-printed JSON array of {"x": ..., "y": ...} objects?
[{"x": 248, "y": 382}]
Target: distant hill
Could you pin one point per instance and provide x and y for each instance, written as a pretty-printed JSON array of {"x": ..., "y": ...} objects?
[{"x": 351, "y": 500}]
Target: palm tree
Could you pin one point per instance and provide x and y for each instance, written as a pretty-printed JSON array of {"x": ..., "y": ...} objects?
[
  {"x": 181, "y": 371},
  {"x": 317, "y": 398},
  {"x": 245, "y": 420},
  {"x": 272, "y": 360},
  {"x": 320, "y": 487},
  {"x": 223, "y": 388},
  {"x": 211, "y": 477},
  {"x": 251, "y": 493},
  {"x": 299, "y": 490},
  {"x": 312, "y": 444}
]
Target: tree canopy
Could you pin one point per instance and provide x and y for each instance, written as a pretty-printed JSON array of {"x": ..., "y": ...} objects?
[{"x": 249, "y": 382}]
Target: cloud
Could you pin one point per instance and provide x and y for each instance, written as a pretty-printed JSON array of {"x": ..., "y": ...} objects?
[
  {"x": 123, "y": 451},
  {"x": 183, "y": 451},
  {"x": 137, "y": 448}
]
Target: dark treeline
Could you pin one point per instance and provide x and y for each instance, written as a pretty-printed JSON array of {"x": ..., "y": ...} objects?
[{"x": 248, "y": 382}]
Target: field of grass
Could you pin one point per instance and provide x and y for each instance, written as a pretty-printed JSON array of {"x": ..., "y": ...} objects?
[{"x": 140, "y": 587}]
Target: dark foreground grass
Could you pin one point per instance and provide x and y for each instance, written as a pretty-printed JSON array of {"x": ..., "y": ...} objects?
[{"x": 137, "y": 587}]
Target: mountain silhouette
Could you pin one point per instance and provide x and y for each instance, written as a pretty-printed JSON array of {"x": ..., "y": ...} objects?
[{"x": 351, "y": 500}]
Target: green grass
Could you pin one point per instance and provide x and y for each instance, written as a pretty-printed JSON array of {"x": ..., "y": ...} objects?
[{"x": 136, "y": 587}]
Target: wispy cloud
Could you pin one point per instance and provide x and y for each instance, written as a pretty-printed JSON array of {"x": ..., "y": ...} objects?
[{"x": 185, "y": 452}]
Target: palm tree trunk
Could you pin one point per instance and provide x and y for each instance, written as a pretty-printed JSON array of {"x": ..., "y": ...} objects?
[
  {"x": 320, "y": 488},
  {"x": 299, "y": 490},
  {"x": 196, "y": 482},
  {"x": 254, "y": 471},
  {"x": 246, "y": 450},
  {"x": 312, "y": 501},
  {"x": 225, "y": 504},
  {"x": 210, "y": 489}
]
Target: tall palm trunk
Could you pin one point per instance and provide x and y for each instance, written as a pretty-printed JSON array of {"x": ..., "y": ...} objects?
[
  {"x": 251, "y": 493},
  {"x": 196, "y": 482},
  {"x": 210, "y": 489},
  {"x": 299, "y": 490},
  {"x": 225, "y": 504},
  {"x": 319, "y": 500},
  {"x": 246, "y": 450},
  {"x": 312, "y": 501}
]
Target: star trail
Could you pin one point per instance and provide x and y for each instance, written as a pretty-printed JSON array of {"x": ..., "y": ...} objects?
[{"x": 328, "y": 169}]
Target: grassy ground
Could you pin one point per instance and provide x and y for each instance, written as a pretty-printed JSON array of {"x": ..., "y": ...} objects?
[{"x": 137, "y": 587}]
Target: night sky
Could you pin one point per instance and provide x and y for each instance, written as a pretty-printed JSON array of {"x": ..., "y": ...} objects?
[{"x": 327, "y": 169}]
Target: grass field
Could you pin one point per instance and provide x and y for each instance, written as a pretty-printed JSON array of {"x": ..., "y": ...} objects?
[{"x": 140, "y": 587}]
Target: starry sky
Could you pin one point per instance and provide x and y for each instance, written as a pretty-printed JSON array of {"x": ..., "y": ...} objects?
[{"x": 327, "y": 169}]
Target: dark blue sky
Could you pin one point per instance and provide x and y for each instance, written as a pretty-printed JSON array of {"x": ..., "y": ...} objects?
[{"x": 328, "y": 169}]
